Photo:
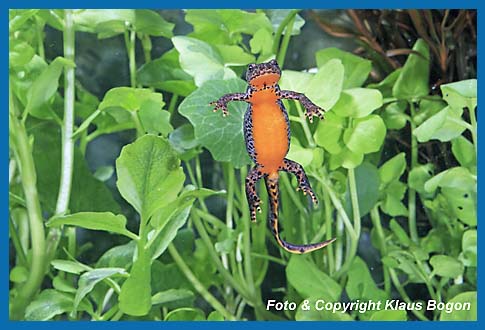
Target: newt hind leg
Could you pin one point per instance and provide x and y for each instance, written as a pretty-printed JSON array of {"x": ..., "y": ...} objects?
[
  {"x": 303, "y": 182},
  {"x": 254, "y": 201}
]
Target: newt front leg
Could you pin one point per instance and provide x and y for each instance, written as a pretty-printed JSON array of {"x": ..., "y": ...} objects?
[
  {"x": 221, "y": 103},
  {"x": 311, "y": 108}
]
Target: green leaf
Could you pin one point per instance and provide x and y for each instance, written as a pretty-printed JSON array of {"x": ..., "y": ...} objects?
[
  {"x": 155, "y": 120},
  {"x": 20, "y": 53},
  {"x": 394, "y": 116},
  {"x": 214, "y": 131},
  {"x": 356, "y": 69},
  {"x": 62, "y": 284},
  {"x": 386, "y": 85},
  {"x": 302, "y": 155},
  {"x": 418, "y": 177},
  {"x": 295, "y": 80},
  {"x": 346, "y": 158},
  {"x": 166, "y": 74},
  {"x": 308, "y": 280},
  {"x": 464, "y": 152},
  {"x": 44, "y": 88},
  {"x": 50, "y": 303},
  {"x": 329, "y": 132},
  {"x": 104, "y": 173},
  {"x": 47, "y": 155},
  {"x": 89, "y": 279},
  {"x": 262, "y": 43},
  {"x": 68, "y": 266},
  {"x": 277, "y": 16},
  {"x": 120, "y": 256},
  {"x": 460, "y": 94},
  {"x": 130, "y": 99},
  {"x": 171, "y": 295},
  {"x": 400, "y": 233},
  {"x": 389, "y": 315},
  {"x": 169, "y": 227},
  {"x": 444, "y": 126},
  {"x": 185, "y": 314},
  {"x": 225, "y": 26},
  {"x": 18, "y": 274},
  {"x": 358, "y": 102},
  {"x": 462, "y": 315},
  {"x": 234, "y": 55},
  {"x": 151, "y": 23},
  {"x": 455, "y": 177},
  {"x": 413, "y": 81},
  {"x": 106, "y": 23},
  {"x": 468, "y": 255},
  {"x": 360, "y": 284},
  {"x": 366, "y": 135},
  {"x": 135, "y": 296},
  {"x": 215, "y": 316},
  {"x": 446, "y": 266},
  {"x": 149, "y": 174},
  {"x": 393, "y": 168},
  {"x": 367, "y": 182},
  {"x": 325, "y": 87},
  {"x": 201, "y": 60},
  {"x": 106, "y": 221}
]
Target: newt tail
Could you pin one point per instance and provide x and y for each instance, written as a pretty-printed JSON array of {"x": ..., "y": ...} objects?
[
  {"x": 267, "y": 137},
  {"x": 273, "y": 194}
]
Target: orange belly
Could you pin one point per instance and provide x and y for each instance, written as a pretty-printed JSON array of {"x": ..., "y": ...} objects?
[{"x": 269, "y": 134}]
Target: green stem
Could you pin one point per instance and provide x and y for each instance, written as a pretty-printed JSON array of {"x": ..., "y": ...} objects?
[
  {"x": 473, "y": 120},
  {"x": 130, "y": 42},
  {"x": 279, "y": 31},
  {"x": 328, "y": 222},
  {"x": 354, "y": 241},
  {"x": 67, "y": 161},
  {"x": 304, "y": 124},
  {"x": 376, "y": 221},
  {"x": 140, "y": 131},
  {"x": 68, "y": 124},
  {"x": 40, "y": 37},
  {"x": 413, "y": 231},
  {"x": 173, "y": 103},
  {"x": 197, "y": 284},
  {"x": 19, "y": 251},
  {"x": 215, "y": 258},
  {"x": 20, "y": 142},
  {"x": 270, "y": 258},
  {"x": 286, "y": 39},
  {"x": 247, "y": 245},
  {"x": 404, "y": 295}
]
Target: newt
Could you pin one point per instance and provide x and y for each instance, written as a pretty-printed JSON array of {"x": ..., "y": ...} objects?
[{"x": 267, "y": 137}]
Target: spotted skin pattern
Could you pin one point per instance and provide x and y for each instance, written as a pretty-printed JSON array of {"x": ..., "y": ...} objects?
[{"x": 267, "y": 136}]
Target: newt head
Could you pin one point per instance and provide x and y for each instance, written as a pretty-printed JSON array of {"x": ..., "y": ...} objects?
[{"x": 263, "y": 75}]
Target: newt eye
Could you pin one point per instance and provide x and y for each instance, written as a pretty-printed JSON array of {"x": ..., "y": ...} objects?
[
  {"x": 251, "y": 66},
  {"x": 273, "y": 62}
]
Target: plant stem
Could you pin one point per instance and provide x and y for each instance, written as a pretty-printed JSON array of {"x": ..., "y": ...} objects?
[
  {"x": 354, "y": 239},
  {"x": 173, "y": 103},
  {"x": 404, "y": 295},
  {"x": 215, "y": 258},
  {"x": 130, "y": 41},
  {"x": 279, "y": 31},
  {"x": 304, "y": 124},
  {"x": 413, "y": 231},
  {"x": 473, "y": 120},
  {"x": 40, "y": 37},
  {"x": 376, "y": 221},
  {"x": 328, "y": 223},
  {"x": 67, "y": 160},
  {"x": 247, "y": 244},
  {"x": 286, "y": 38},
  {"x": 68, "y": 124},
  {"x": 20, "y": 142},
  {"x": 197, "y": 284}
]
